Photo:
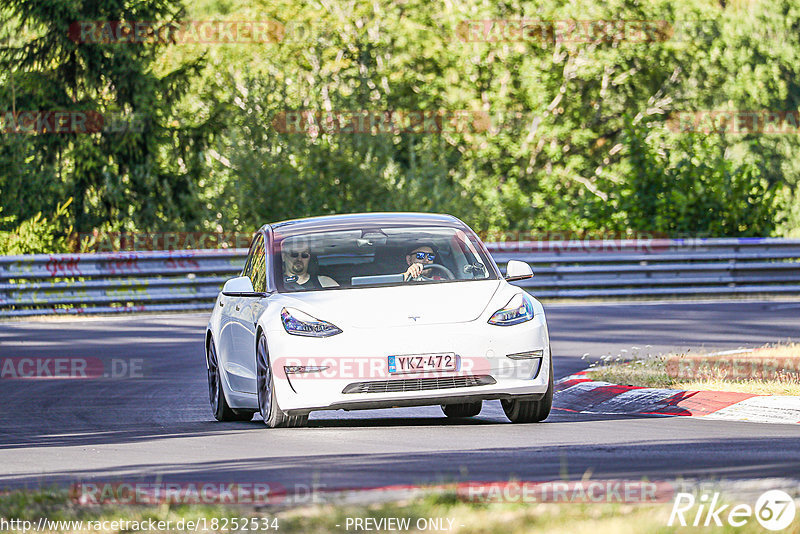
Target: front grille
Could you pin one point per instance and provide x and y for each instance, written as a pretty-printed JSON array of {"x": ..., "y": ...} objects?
[{"x": 419, "y": 384}]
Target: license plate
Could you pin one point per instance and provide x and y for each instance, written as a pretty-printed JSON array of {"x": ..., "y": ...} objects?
[{"x": 420, "y": 363}]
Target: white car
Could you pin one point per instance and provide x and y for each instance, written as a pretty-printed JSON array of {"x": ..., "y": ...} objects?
[{"x": 375, "y": 310}]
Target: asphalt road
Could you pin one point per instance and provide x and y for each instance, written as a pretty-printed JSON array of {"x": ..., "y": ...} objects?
[{"x": 157, "y": 424}]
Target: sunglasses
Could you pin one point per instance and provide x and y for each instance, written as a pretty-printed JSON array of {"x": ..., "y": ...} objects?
[
  {"x": 304, "y": 255},
  {"x": 423, "y": 255}
]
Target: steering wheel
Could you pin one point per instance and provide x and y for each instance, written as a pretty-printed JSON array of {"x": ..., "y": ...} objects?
[{"x": 436, "y": 267}]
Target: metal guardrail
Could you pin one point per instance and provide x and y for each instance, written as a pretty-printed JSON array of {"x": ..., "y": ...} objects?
[{"x": 190, "y": 280}]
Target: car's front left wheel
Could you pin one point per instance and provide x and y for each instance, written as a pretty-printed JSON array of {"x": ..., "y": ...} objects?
[
  {"x": 273, "y": 416},
  {"x": 216, "y": 395}
]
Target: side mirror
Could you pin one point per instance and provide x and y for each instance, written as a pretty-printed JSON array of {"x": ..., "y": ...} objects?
[
  {"x": 240, "y": 286},
  {"x": 518, "y": 270}
]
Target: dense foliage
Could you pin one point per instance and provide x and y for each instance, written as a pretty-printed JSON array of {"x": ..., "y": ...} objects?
[{"x": 580, "y": 135}]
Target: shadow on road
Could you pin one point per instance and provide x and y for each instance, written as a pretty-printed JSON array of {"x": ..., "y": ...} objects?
[
  {"x": 710, "y": 458},
  {"x": 68, "y": 430}
]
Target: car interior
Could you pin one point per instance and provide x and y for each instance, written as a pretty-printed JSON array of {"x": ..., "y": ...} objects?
[{"x": 345, "y": 257}]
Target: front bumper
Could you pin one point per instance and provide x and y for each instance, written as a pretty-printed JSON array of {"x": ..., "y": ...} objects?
[{"x": 359, "y": 356}]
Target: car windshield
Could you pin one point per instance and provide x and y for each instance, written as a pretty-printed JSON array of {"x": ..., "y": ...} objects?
[{"x": 375, "y": 257}]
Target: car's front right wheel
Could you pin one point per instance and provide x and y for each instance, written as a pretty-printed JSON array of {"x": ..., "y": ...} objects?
[
  {"x": 531, "y": 411},
  {"x": 273, "y": 416}
]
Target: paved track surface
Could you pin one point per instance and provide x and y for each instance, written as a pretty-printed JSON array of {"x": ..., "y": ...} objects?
[{"x": 159, "y": 427}]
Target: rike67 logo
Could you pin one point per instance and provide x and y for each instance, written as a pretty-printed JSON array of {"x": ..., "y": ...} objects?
[{"x": 774, "y": 510}]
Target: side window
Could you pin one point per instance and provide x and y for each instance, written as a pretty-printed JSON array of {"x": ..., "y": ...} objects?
[
  {"x": 248, "y": 262},
  {"x": 258, "y": 272}
]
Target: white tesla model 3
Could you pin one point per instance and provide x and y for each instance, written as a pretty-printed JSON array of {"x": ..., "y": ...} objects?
[{"x": 375, "y": 310}]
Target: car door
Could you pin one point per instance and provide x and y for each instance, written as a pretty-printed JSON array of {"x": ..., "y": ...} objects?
[
  {"x": 227, "y": 305},
  {"x": 244, "y": 317}
]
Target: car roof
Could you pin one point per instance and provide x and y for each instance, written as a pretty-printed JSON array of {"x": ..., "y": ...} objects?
[{"x": 355, "y": 220}]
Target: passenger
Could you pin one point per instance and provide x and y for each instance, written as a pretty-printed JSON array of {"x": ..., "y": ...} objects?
[{"x": 296, "y": 259}]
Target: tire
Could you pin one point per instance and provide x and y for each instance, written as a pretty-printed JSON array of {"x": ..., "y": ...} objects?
[
  {"x": 216, "y": 394},
  {"x": 465, "y": 409},
  {"x": 273, "y": 416},
  {"x": 531, "y": 411}
]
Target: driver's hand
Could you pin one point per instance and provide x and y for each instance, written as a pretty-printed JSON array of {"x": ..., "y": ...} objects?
[{"x": 413, "y": 271}]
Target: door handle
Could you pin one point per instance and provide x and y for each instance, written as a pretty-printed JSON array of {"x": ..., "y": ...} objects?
[
  {"x": 221, "y": 304},
  {"x": 237, "y": 307}
]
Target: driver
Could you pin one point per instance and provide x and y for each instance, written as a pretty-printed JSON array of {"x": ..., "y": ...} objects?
[
  {"x": 296, "y": 257},
  {"x": 416, "y": 258}
]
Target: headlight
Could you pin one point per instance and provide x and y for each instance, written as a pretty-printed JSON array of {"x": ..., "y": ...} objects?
[
  {"x": 518, "y": 310},
  {"x": 298, "y": 323}
]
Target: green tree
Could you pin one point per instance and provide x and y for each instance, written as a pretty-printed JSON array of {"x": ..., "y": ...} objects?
[
  {"x": 40, "y": 235},
  {"x": 690, "y": 186},
  {"x": 144, "y": 175}
]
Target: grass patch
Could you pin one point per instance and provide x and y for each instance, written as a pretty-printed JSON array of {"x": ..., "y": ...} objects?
[
  {"x": 769, "y": 370},
  {"x": 458, "y": 516},
  {"x": 56, "y": 504}
]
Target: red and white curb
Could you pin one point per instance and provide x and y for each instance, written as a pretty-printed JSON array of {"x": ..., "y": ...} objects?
[{"x": 579, "y": 393}]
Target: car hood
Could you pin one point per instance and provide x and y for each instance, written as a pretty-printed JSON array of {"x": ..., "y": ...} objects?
[{"x": 453, "y": 302}]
